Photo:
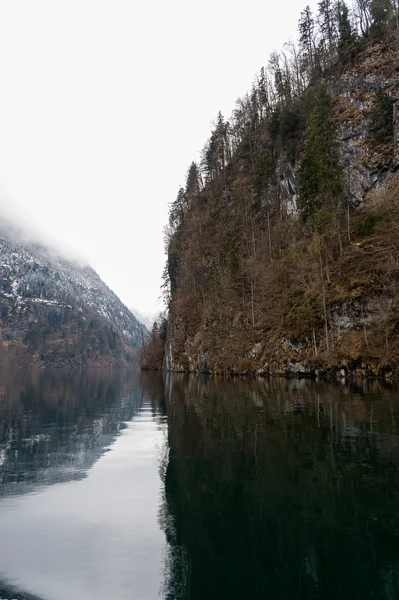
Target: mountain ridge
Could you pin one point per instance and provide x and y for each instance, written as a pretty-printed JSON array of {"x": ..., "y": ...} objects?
[{"x": 55, "y": 311}]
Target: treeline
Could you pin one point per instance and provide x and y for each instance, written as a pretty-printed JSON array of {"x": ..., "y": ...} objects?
[
  {"x": 228, "y": 273},
  {"x": 328, "y": 40},
  {"x": 62, "y": 335}
]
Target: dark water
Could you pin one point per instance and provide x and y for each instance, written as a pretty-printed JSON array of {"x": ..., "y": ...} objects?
[{"x": 120, "y": 485}]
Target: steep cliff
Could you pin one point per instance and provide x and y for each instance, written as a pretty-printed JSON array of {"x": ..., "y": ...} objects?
[
  {"x": 286, "y": 259},
  {"x": 56, "y": 312}
]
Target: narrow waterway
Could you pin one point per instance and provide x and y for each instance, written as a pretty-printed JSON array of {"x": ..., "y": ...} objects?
[{"x": 122, "y": 485}]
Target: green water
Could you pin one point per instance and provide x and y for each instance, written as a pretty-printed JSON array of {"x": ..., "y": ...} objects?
[{"x": 122, "y": 485}]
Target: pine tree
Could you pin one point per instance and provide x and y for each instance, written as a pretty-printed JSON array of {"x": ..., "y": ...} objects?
[
  {"x": 306, "y": 37},
  {"x": 178, "y": 209},
  {"x": 346, "y": 34},
  {"x": 263, "y": 93},
  {"x": 382, "y": 117},
  {"x": 327, "y": 19},
  {"x": 193, "y": 181},
  {"x": 320, "y": 178},
  {"x": 209, "y": 164},
  {"x": 221, "y": 136}
]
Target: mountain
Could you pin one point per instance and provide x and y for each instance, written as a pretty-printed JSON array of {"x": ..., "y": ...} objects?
[
  {"x": 56, "y": 312},
  {"x": 282, "y": 245}
]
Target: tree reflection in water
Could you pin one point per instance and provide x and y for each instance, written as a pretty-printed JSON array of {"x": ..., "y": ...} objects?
[
  {"x": 268, "y": 488},
  {"x": 281, "y": 489}
]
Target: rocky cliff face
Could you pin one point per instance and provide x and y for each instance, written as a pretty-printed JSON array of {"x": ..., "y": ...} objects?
[
  {"x": 259, "y": 292},
  {"x": 355, "y": 92},
  {"x": 56, "y": 312}
]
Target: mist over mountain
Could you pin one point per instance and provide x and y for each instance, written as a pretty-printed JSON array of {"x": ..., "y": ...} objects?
[
  {"x": 57, "y": 312},
  {"x": 147, "y": 319}
]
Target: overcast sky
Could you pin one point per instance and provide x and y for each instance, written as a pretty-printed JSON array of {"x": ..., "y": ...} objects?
[{"x": 104, "y": 104}]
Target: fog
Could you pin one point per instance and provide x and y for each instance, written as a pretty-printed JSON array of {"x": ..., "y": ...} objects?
[{"x": 103, "y": 105}]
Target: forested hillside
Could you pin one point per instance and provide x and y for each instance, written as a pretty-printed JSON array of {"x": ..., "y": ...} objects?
[
  {"x": 55, "y": 312},
  {"x": 282, "y": 247}
]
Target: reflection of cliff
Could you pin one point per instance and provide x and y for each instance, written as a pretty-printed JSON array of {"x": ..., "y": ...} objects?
[
  {"x": 281, "y": 489},
  {"x": 54, "y": 425}
]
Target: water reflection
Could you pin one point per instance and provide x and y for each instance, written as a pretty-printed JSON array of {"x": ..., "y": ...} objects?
[
  {"x": 81, "y": 487},
  {"x": 119, "y": 485},
  {"x": 54, "y": 425},
  {"x": 282, "y": 489}
]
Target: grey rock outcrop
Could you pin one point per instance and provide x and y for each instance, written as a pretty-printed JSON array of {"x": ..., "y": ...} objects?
[{"x": 288, "y": 187}]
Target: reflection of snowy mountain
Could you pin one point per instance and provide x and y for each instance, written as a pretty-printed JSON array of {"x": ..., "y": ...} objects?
[
  {"x": 61, "y": 443},
  {"x": 41, "y": 290}
]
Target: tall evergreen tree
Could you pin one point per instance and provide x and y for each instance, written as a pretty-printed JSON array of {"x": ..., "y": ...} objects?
[
  {"x": 178, "y": 209},
  {"x": 193, "y": 182},
  {"x": 221, "y": 136},
  {"x": 263, "y": 93},
  {"x": 320, "y": 178},
  {"x": 346, "y": 34},
  {"x": 327, "y": 20},
  {"x": 209, "y": 163},
  {"x": 306, "y": 37},
  {"x": 382, "y": 117}
]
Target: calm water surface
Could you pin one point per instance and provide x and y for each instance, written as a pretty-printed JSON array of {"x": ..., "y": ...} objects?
[{"x": 119, "y": 485}]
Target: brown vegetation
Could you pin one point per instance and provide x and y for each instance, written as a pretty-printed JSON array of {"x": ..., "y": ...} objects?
[
  {"x": 283, "y": 258},
  {"x": 297, "y": 302}
]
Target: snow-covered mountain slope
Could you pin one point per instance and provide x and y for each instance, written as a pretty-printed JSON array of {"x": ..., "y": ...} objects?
[{"x": 42, "y": 293}]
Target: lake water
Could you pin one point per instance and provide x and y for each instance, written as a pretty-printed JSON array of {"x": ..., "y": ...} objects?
[{"x": 116, "y": 484}]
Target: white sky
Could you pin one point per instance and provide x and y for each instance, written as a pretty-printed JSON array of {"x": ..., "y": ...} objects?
[{"x": 104, "y": 104}]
